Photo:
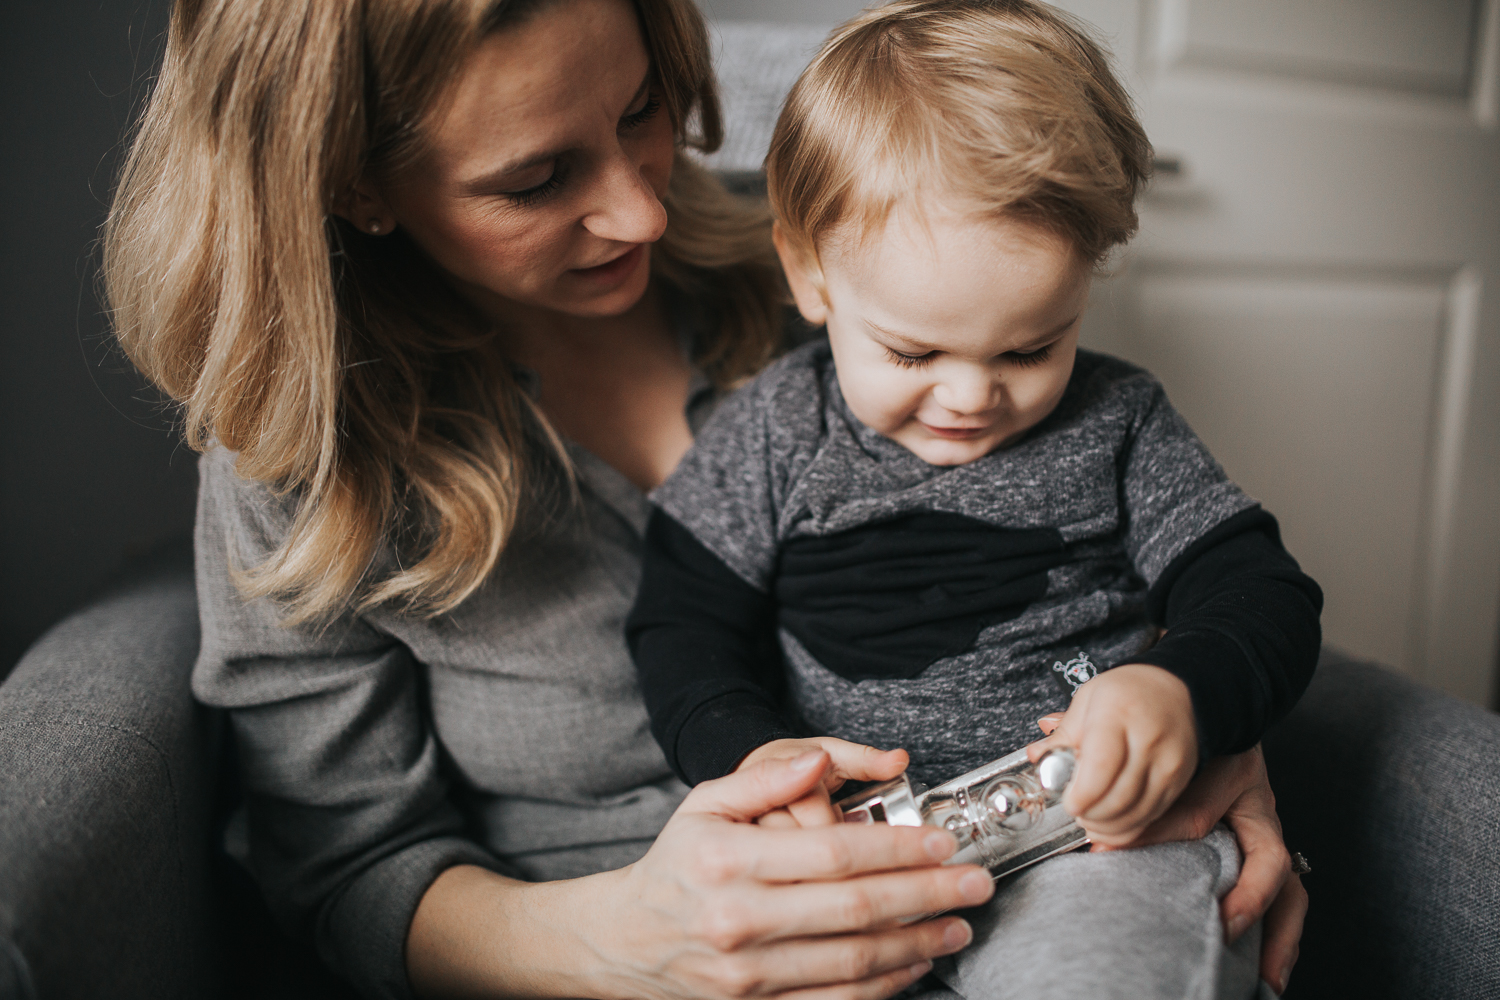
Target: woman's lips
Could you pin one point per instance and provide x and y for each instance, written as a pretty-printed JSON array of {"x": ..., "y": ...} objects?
[{"x": 613, "y": 271}]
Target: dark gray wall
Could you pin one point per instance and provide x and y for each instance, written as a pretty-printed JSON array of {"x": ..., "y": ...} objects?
[{"x": 89, "y": 472}]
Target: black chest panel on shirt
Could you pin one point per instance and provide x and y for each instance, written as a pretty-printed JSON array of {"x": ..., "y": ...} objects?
[{"x": 887, "y": 600}]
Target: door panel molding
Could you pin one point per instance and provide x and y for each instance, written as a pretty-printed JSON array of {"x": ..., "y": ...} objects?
[{"x": 1420, "y": 45}]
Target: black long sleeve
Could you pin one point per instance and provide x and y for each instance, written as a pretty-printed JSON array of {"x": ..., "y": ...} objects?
[
  {"x": 1242, "y": 630},
  {"x": 704, "y": 642},
  {"x": 1242, "y": 622}
]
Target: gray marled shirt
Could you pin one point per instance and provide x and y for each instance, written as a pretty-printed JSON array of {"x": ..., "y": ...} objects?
[
  {"x": 381, "y": 749},
  {"x": 1113, "y": 486}
]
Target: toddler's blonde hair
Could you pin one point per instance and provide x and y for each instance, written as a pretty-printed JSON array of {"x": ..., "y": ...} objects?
[{"x": 1005, "y": 106}]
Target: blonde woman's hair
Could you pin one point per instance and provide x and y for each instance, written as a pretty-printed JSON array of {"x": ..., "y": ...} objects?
[
  {"x": 1003, "y": 105},
  {"x": 342, "y": 368}
]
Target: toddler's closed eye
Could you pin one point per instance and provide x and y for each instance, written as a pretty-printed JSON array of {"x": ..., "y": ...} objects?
[
  {"x": 908, "y": 360},
  {"x": 1029, "y": 358}
]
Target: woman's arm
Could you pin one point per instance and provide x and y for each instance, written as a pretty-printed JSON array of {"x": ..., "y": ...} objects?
[
  {"x": 347, "y": 808},
  {"x": 717, "y": 908}
]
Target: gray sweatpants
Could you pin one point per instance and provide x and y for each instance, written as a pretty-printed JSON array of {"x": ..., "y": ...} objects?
[{"x": 1133, "y": 925}]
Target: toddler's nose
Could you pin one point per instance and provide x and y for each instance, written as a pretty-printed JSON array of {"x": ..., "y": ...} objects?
[{"x": 969, "y": 392}]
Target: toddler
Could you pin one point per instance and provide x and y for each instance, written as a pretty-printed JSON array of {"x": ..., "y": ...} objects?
[{"x": 946, "y": 520}]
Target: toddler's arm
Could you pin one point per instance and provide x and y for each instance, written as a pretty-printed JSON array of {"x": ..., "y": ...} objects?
[
  {"x": 1241, "y": 644},
  {"x": 704, "y": 644}
]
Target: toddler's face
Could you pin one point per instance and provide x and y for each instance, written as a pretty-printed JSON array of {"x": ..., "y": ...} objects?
[{"x": 953, "y": 333}]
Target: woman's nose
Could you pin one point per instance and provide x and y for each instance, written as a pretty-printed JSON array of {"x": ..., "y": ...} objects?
[
  {"x": 966, "y": 392},
  {"x": 626, "y": 208}
]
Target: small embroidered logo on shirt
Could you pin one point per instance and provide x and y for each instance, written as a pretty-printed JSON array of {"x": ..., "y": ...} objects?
[{"x": 1077, "y": 672}]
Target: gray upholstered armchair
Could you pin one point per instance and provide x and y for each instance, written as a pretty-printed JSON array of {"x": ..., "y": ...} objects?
[{"x": 111, "y": 883}]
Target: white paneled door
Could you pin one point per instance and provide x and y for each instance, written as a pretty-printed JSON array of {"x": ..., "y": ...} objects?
[{"x": 1317, "y": 283}]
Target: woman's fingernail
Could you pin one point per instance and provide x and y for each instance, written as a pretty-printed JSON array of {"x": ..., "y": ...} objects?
[
  {"x": 976, "y": 887},
  {"x": 1236, "y": 927},
  {"x": 920, "y": 969},
  {"x": 1286, "y": 977},
  {"x": 957, "y": 936},
  {"x": 939, "y": 846}
]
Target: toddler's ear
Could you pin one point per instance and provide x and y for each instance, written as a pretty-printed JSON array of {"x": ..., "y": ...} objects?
[{"x": 804, "y": 276}]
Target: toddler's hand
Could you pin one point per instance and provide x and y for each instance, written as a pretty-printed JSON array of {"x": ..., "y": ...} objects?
[
  {"x": 846, "y": 762},
  {"x": 1137, "y": 744}
]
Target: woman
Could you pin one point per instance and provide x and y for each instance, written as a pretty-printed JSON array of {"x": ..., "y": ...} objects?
[{"x": 441, "y": 296}]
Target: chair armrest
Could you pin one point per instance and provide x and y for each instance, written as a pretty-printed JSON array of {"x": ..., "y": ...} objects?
[
  {"x": 106, "y": 801},
  {"x": 1392, "y": 791}
]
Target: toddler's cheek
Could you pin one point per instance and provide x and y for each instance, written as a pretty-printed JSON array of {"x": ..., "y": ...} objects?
[{"x": 883, "y": 408}]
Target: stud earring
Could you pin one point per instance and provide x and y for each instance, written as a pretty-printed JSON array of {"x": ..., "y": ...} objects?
[{"x": 374, "y": 227}]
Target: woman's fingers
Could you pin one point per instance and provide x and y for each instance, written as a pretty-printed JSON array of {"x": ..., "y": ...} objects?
[
  {"x": 826, "y": 853},
  {"x": 778, "y": 819},
  {"x": 754, "y": 791},
  {"x": 1282, "y": 931},
  {"x": 857, "y": 762},
  {"x": 810, "y": 965},
  {"x": 814, "y": 809},
  {"x": 1267, "y": 865},
  {"x": 817, "y": 909},
  {"x": 874, "y": 988}
]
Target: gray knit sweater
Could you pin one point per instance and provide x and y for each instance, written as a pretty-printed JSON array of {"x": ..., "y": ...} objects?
[{"x": 872, "y": 555}]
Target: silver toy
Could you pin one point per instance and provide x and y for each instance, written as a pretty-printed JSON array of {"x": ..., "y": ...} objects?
[{"x": 1006, "y": 815}]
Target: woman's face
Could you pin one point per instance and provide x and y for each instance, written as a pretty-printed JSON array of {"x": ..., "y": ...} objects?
[{"x": 542, "y": 187}]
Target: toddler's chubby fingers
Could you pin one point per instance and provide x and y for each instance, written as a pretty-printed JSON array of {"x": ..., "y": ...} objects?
[
  {"x": 1055, "y": 735},
  {"x": 1102, "y": 755},
  {"x": 1124, "y": 798}
]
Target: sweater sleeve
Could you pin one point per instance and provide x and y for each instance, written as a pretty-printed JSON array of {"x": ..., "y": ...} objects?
[
  {"x": 348, "y": 815},
  {"x": 704, "y": 642},
  {"x": 1242, "y": 630}
]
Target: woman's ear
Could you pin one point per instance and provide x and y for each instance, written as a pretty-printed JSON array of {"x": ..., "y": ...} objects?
[
  {"x": 366, "y": 210},
  {"x": 804, "y": 276}
]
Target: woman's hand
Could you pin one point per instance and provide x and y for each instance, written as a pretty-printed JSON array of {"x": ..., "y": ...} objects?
[
  {"x": 719, "y": 908},
  {"x": 846, "y": 762},
  {"x": 1238, "y": 791}
]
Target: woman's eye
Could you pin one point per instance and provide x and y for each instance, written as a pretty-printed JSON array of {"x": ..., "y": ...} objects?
[
  {"x": 537, "y": 192},
  {"x": 638, "y": 118},
  {"x": 908, "y": 360}
]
